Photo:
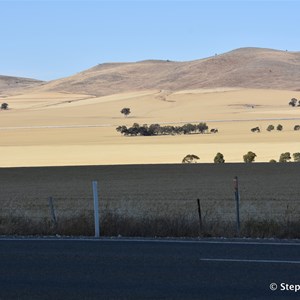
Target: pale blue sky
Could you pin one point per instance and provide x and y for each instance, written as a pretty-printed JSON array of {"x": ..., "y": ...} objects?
[{"x": 52, "y": 39}]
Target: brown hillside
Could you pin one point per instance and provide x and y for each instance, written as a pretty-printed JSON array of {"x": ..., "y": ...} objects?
[
  {"x": 245, "y": 67},
  {"x": 10, "y": 85}
]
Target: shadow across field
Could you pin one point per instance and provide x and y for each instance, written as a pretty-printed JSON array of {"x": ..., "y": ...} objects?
[{"x": 152, "y": 200}]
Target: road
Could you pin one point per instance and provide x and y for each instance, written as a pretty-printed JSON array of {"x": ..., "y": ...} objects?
[{"x": 147, "y": 269}]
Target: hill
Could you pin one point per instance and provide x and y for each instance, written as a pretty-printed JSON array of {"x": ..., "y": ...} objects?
[
  {"x": 245, "y": 67},
  {"x": 10, "y": 85}
]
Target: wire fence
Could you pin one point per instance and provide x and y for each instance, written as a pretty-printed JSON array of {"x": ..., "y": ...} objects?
[{"x": 144, "y": 193}]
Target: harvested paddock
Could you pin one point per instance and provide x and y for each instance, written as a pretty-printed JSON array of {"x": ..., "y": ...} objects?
[{"x": 267, "y": 191}]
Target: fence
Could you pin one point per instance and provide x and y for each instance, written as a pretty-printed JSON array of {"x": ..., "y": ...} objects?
[{"x": 145, "y": 192}]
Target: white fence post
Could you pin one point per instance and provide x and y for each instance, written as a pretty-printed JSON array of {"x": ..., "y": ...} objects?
[{"x": 96, "y": 209}]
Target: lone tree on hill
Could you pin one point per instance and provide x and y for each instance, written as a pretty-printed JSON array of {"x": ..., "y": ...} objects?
[
  {"x": 285, "y": 157},
  {"x": 4, "y": 106},
  {"x": 219, "y": 158},
  {"x": 190, "y": 158},
  {"x": 125, "y": 111},
  {"x": 249, "y": 157}
]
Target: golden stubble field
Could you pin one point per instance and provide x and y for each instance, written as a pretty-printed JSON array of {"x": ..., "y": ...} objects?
[{"x": 53, "y": 129}]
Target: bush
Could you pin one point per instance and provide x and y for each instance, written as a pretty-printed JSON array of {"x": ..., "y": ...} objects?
[
  {"x": 219, "y": 158},
  {"x": 272, "y": 161},
  {"x": 249, "y": 157},
  {"x": 270, "y": 128}
]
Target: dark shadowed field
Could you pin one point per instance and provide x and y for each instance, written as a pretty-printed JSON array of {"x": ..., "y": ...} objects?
[{"x": 267, "y": 191}]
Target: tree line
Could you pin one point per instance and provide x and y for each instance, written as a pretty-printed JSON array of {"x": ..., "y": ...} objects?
[
  {"x": 249, "y": 157},
  {"x": 156, "y": 129}
]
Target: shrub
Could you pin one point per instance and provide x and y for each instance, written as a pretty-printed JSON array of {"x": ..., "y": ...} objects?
[
  {"x": 285, "y": 157},
  {"x": 272, "y": 161},
  {"x": 270, "y": 128},
  {"x": 219, "y": 158},
  {"x": 249, "y": 157}
]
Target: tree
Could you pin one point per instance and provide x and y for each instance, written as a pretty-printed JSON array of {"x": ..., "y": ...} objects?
[
  {"x": 272, "y": 161},
  {"x": 270, "y": 128},
  {"x": 219, "y": 158},
  {"x": 249, "y": 157},
  {"x": 202, "y": 127},
  {"x": 255, "y": 129},
  {"x": 125, "y": 111},
  {"x": 279, "y": 127},
  {"x": 293, "y": 102},
  {"x": 122, "y": 129},
  {"x": 297, "y": 127},
  {"x": 4, "y": 106},
  {"x": 190, "y": 158},
  {"x": 296, "y": 157},
  {"x": 285, "y": 157}
]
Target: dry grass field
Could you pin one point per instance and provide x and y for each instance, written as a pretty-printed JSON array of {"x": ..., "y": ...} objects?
[
  {"x": 151, "y": 195},
  {"x": 51, "y": 129}
]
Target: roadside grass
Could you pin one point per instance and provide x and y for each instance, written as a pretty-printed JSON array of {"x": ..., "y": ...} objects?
[{"x": 120, "y": 225}]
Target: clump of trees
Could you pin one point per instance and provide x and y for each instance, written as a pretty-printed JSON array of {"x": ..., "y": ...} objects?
[
  {"x": 125, "y": 111},
  {"x": 190, "y": 158},
  {"x": 249, "y": 157},
  {"x": 156, "y": 129},
  {"x": 4, "y": 106}
]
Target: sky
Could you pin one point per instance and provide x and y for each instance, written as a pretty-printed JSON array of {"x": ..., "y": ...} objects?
[{"x": 50, "y": 39}]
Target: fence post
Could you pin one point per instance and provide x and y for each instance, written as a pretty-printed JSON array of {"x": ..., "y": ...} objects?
[
  {"x": 200, "y": 217},
  {"x": 96, "y": 208},
  {"x": 237, "y": 200},
  {"x": 52, "y": 211}
]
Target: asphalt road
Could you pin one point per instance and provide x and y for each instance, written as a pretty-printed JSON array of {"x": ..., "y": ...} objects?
[{"x": 148, "y": 269}]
